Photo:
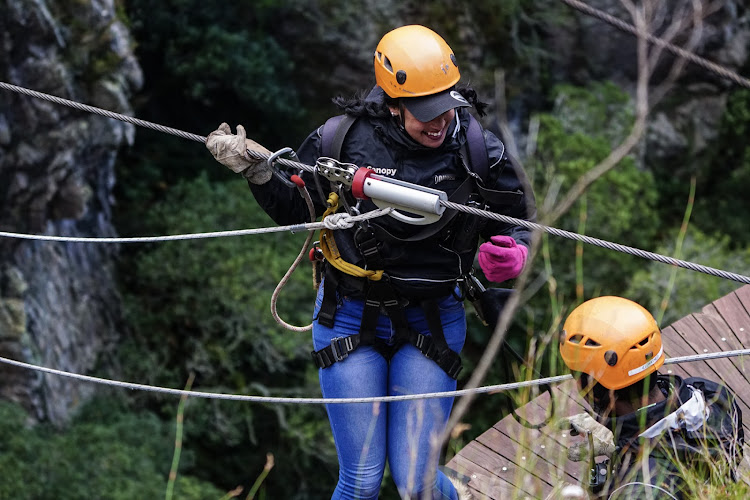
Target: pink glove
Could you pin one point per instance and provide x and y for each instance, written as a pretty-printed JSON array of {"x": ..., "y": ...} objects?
[{"x": 501, "y": 258}]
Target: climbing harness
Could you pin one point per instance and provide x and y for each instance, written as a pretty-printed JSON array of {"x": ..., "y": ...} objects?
[
  {"x": 378, "y": 293},
  {"x": 425, "y": 208}
]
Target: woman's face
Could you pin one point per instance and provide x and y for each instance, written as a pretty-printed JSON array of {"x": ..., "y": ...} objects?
[{"x": 430, "y": 134}]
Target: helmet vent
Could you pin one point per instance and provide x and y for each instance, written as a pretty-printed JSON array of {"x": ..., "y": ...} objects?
[
  {"x": 642, "y": 343},
  {"x": 388, "y": 65},
  {"x": 592, "y": 343},
  {"x": 384, "y": 61},
  {"x": 575, "y": 339}
]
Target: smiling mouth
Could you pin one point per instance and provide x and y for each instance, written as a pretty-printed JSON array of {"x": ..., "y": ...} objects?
[{"x": 434, "y": 135}]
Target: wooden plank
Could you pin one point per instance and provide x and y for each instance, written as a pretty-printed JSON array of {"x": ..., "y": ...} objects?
[
  {"x": 568, "y": 399},
  {"x": 522, "y": 456},
  {"x": 733, "y": 309},
  {"x": 521, "y": 444},
  {"x": 723, "y": 337},
  {"x": 483, "y": 484},
  {"x": 502, "y": 464},
  {"x": 541, "y": 457},
  {"x": 743, "y": 294},
  {"x": 702, "y": 342},
  {"x": 715, "y": 369},
  {"x": 675, "y": 369},
  {"x": 674, "y": 346},
  {"x": 565, "y": 401},
  {"x": 498, "y": 466},
  {"x": 714, "y": 322}
]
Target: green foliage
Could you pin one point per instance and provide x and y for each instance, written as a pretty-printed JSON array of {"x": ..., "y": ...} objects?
[
  {"x": 722, "y": 198},
  {"x": 203, "y": 307},
  {"x": 211, "y": 59},
  {"x": 217, "y": 290},
  {"x": 512, "y": 38},
  {"x": 692, "y": 290},
  {"x": 206, "y": 64},
  {"x": 620, "y": 206},
  {"x": 735, "y": 125},
  {"x": 107, "y": 453}
]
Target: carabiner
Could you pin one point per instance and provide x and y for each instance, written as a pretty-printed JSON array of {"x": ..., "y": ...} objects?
[{"x": 272, "y": 160}]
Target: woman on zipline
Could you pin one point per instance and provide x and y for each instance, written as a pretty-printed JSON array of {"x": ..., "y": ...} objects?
[{"x": 389, "y": 317}]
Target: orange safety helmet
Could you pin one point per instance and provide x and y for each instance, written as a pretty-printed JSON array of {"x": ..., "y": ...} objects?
[
  {"x": 414, "y": 61},
  {"x": 614, "y": 340}
]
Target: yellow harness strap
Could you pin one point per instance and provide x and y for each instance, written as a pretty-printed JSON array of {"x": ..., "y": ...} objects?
[{"x": 331, "y": 251}]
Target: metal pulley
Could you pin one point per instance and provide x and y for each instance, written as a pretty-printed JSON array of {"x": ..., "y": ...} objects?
[{"x": 413, "y": 204}]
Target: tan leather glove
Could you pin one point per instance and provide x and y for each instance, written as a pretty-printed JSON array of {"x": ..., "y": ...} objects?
[
  {"x": 584, "y": 424},
  {"x": 231, "y": 151}
]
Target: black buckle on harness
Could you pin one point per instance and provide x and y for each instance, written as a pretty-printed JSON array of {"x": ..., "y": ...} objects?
[
  {"x": 447, "y": 359},
  {"x": 341, "y": 347},
  {"x": 338, "y": 350},
  {"x": 426, "y": 345},
  {"x": 450, "y": 362}
]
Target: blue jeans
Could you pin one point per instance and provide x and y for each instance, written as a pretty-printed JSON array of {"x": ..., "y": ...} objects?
[{"x": 404, "y": 432}]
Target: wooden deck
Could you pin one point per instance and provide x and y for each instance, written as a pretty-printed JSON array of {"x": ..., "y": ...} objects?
[{"x": 512, "y": 461}]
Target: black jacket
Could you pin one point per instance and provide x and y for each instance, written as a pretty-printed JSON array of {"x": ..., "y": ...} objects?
[
  {"x": 380, "y": 143},
  {"x": 719, "y": 441}
]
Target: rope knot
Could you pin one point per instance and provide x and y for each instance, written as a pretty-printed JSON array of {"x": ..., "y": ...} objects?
[{"x": 338, "y": 221}]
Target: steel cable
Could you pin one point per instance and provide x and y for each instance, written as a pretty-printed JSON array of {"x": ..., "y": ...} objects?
[
  {"x": 283, "y": 400},
  {"x": 678, "y": 51},
  {"x": 600, "y": 243}
]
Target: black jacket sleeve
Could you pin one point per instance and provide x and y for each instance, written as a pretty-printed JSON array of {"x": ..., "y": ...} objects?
[{"x": 284, "y": 204}]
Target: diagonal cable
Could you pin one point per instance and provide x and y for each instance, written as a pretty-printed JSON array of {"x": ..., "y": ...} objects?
[
  {"x": 600, "y": 243},
  {"x": 678, "y": 51},
  {"x": 301, "y": 166}
]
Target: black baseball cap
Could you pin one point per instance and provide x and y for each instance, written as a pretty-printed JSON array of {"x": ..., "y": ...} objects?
[{"x": 427, "y": 108}]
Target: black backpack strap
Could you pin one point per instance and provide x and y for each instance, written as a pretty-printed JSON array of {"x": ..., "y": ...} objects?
[
  {"x": 478, "y": 162},
  {"x": 330, "y": 300},
  {"x": 333, "y": 134},
  {"x": 476, "y": 149}
]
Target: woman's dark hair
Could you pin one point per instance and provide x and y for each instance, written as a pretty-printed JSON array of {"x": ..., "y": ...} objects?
[
  {"x": 471, "y": 95},
  {"x": 358, "y": 105}
]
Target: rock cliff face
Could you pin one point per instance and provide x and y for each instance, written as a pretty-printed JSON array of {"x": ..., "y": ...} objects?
[
  {"x": 683, "y": 125},
  {"x": 59, "y": 305}
]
